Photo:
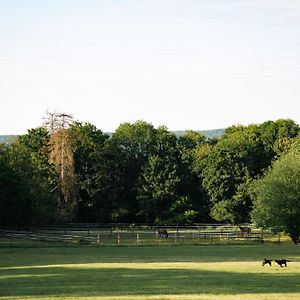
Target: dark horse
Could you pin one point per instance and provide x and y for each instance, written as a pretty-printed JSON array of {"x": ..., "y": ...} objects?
[
  {"x": 245, "y": 230},
  {"x": 162, "y": 233}
]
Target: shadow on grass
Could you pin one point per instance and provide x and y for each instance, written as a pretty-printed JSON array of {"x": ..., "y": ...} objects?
[
  {"x": 51, "y": 281},
  {"x": 69, "y": 255}
]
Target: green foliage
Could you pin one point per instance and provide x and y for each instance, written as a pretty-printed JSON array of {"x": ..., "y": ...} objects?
[
  {"x": 276, "y": 136},
  {"x": 242, "y": 154},
  {"x": 193, "y": 148},
  {"x": 15, "y": 200},
  {"x": 93, "y": 171},
  {"x": 168, "y": 191},
  {"x": 157, "y": 189},
  {"x": 25, "y": 197},
  {"x": 182, "y": 211},
  {"x": 132, "y": 144},
  {"x": 235, "y": 159},
  {"x": 191, "y": 139},
  {"x": 140, "y": 173},
  {"x": 277, "y": 195}
]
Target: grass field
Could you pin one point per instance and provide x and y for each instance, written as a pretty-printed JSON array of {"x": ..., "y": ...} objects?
[{"x": 152, "y": 272}]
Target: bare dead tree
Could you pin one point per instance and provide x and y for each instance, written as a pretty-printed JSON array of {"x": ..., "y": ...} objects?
[
  {"x": 61, "y": 155},
  {"x": 55, "y": 121}
]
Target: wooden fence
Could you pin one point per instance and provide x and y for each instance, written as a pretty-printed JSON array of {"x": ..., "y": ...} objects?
[{"x": 125, "y": 234}]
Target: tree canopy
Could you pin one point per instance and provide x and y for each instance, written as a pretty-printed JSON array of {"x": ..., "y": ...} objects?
[
  {"x": 277, "y": 195},
  {"x": 73, "y": 172}
]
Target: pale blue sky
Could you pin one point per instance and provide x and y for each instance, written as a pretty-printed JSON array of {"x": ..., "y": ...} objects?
[{"x": 185, "y": 64}]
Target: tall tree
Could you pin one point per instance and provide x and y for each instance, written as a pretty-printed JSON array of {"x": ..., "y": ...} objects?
[
  {"x": 27, "y": 182},
  {"x": 61, "y": 155},
  {"x": 15, "y": 198},
  {"x": 234, "y": 160},
  {"x": 133, "y": 144},
  {"x": 277, "y": 195},
  {"x": 158, "y": 181},
  {"x": 278, "y": 136},
  {"x": 94, "y": 173},
  {"x": 193, "y": 148},
  {"x": 242, "y": 154}
]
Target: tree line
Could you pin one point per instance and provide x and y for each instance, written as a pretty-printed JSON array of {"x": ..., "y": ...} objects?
[{"x": 71, "y": 171}]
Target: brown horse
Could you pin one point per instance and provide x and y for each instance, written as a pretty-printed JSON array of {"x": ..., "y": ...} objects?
[
  {"x": 162, "y": 233},
  {"x": 244, "y": 230}
]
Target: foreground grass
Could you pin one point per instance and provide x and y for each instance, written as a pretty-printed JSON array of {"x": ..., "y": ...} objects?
[{"x": 139, "y": 273}]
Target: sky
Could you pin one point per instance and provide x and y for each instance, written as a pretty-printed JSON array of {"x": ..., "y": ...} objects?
[{"x": 183, "y": 64}]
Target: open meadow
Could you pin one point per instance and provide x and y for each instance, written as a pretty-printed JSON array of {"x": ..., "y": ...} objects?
[{"x": 149, "y": 272}]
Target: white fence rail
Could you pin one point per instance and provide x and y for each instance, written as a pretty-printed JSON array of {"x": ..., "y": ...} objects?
[{"x": 89, "y": 234}]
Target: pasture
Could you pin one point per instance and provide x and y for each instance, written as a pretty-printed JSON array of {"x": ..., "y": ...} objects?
[{"x": 149, "y": 272}]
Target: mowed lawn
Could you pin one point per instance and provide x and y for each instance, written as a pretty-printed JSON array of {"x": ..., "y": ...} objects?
[{"x": 149, "y": 272}]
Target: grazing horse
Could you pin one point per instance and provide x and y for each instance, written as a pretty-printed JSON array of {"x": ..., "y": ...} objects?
[
  {"x": 162, "y": 233},
  {"x": 244, "y": 230}
]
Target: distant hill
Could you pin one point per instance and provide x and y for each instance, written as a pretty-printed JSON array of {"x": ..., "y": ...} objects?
[
  {"x": 7, "y": 138},
  {"x": 215, "y": 133}
]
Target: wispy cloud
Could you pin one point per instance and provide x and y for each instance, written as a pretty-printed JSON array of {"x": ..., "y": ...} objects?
[{"x": 266, "y": 7}]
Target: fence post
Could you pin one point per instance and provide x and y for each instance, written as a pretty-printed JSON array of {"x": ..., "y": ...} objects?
[
  {"x": 261, "y": 236},
  {"x": 119, "y": 239}
]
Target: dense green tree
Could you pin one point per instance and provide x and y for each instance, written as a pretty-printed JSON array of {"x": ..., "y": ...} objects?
[
  {"x": 132, "y": 144},
  {"x": 234, "y": 160},
  {"x": 43, "y": 176},
  {"x": 241, "y": 155},
  {"x": 139, "y": 173},
  {"x": 25, "y": 188},
  {"x": 158, "y": 181},
  {"x": 157, "y": 189},
  {"x": 15, "y": 198},
  {"x": 169, "y": 190},
  {"x": 277, "y": 137},
  {"x": 193, "y": 148},
  {"x": 277, "y": 195},
  {"x": 36, "y": 144},
  {"x": 190, "y": 140},
  {"x": 93, "y": 173}
]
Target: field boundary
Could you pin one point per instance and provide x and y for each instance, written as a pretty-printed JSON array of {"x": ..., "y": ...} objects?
[{"x": 125, "y": 234}]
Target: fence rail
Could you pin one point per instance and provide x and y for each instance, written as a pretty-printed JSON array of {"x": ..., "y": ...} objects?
[{"x": 125, "y": 234}]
